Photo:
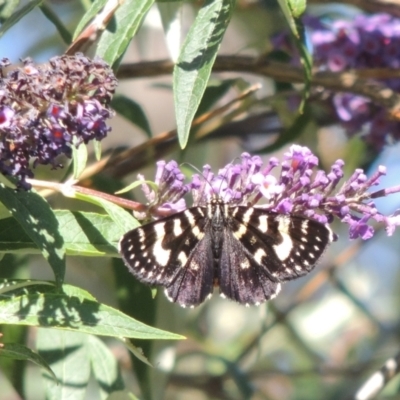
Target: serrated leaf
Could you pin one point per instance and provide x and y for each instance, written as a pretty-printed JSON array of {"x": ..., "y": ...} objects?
[
  {"x": 132, "y": 111},
  {"x": 105, "y": 367},
  {"x": 128, "y": 18},
  {"x": 86, "y": 234},
  {"x": 57, "y": 310},
  {"x": 20, "y": 352},
  {"x": 195, "y": 62},
  {"x": 17, "y": 15},
  {"x": 37, "y": 219},
  {"x": 67, "y": 354}
]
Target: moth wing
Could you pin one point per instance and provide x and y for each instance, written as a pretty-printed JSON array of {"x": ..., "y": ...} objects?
[
  {"x": 172, "y": 252},
  {"x": 240, "y": 277}
]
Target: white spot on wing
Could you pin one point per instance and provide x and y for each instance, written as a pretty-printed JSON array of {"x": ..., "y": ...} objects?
[
  {"x": 283, "y": 249},
  {"x": 197, "y": 232},
  {"x": 141, "y": 234},
  {"x": 278, "y": 289},
  {"x": 168, "y": 296},
  {"x": 245, "y": 264},
  {"x": 177, "y": 227},
  {"x": 259, "y": 254},
  {"x": 182, "y": 258},
  {"x": 194, "y": 266},
  {"x": 160, "y": 254},
  {"x": 263, "y": 223},
  {"x": 304, "y": 227},
  {"x": 240, "y": 232},
  {"x": 188, "y": 214},
  {"x": 247, "y": 215}
]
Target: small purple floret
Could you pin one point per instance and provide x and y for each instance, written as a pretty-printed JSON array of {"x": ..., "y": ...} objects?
[
  {"x": 46, "y": 109},
  {"x": 296, "y": 187}
]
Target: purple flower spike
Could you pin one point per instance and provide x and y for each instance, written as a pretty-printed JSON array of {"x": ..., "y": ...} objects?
[
  {"x": 46, "y": 109},
  {"x": 300, "y": 189},
  {"x": 364, "y": 42}
]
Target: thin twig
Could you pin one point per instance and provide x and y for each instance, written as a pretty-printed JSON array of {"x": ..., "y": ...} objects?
[{"x": 346, "y": 81}]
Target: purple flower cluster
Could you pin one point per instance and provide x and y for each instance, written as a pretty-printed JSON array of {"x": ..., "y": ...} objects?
[
  {"x": 363, "y": 42},
  {"x": 46, "y": 109},
  {"x": 297, "y": 187}
]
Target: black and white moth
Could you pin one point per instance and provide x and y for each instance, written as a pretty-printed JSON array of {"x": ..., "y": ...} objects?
[{"x": 246, "y": 251}]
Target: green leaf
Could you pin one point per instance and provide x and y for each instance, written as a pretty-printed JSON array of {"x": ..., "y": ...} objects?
[
  {"x": 58, "y": 310},
  {"x": 97, "y": 149},
  {"x": 135, "y": 299},
  {"x": 94, "y": 9},
  {"x": 135, "y": 184},
  {"x": 67, "y": 354},
  {"x": 7, "y": 285},
  {"x": 79, "y": 157},
  {"x": 56, "y": 21},
  {"x": 20, "y": 13},
  {"x": 37, "y": 219},
  {"x": 292, "y": 12},
  {"x": 137, "y": 352},
  {"x": 297, "y": 7},
  {"x": 115, "y": 39},
  {"x": 20, "y": 352},
  {"x": 105, "y": 367},
  {"x": 122, "y": 395},
  {"x": 7, "y": 7},
  {"x": 121, "y": 217},
  {"x": 195, "y": 62},
  {"x": 132, "y": 111},
  {"x": 87, "y": 234}
]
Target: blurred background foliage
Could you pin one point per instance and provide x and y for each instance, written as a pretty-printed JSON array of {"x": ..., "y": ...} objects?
[{"x": 326, "y": 333}]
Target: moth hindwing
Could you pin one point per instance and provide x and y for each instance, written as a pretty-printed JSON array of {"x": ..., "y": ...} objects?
[{"x": 246, "y": 251}]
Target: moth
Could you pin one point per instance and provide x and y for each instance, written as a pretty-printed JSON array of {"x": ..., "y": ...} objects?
[{"x": 245, "y": 251}]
